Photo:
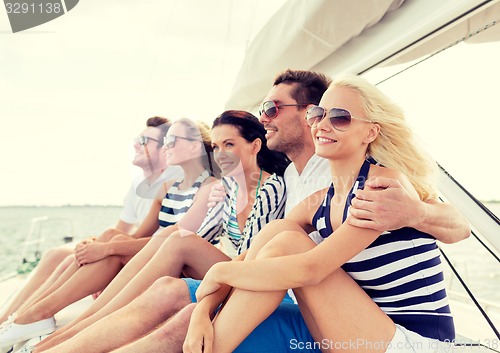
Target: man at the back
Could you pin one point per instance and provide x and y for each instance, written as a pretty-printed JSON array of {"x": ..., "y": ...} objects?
[
  {"x": 283, "y": 115},
  {"x": 150, "y": 158}
]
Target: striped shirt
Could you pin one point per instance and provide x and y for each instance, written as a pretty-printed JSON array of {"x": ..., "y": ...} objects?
[
  {"x": 177, "y": 202},
  {"x": 401, "y": 271},
  {"x": 269, "y": 205}
]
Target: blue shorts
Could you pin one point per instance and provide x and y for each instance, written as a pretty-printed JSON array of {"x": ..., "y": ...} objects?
[
  {"x": 193, "y": 285},
  {"x": 284, "y": 331}
]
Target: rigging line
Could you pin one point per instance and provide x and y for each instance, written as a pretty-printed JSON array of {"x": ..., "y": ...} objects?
[
  {"x": 488, "y": 248},
  {"x": 469, "y": 292},
  {"x": 476, "y": 201},
  {"x": 485, "y": 246},
  {"x": 480, "y": 205},
  {"x": 470, "y": 35}
]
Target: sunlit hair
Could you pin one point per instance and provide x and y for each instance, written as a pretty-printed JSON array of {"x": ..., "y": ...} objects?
[
  {"x": 161, "y": 123},
  {"x": 200, "y": 131},
  {"x": 309, "y": 86},
  {"x": 395, "y": 146},
  {"x": 250, "y": 129}
]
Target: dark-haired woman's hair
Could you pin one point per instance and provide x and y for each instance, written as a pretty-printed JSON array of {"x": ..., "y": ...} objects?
[{"x": 250, "y": 129}]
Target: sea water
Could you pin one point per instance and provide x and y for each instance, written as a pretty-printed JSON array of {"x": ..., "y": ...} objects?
[{"x": 77, "y": 222}]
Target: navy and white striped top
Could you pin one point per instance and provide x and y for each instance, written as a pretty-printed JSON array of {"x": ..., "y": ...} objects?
[
  {"x": 177, "y": 202},
  {"x": 401, "y": 271},
  {"x": 269, "y": 205}
]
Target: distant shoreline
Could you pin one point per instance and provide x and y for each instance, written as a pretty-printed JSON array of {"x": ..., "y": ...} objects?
[
  {"x": 90, "y": 205},
  {"x": 56, "y": 206}
]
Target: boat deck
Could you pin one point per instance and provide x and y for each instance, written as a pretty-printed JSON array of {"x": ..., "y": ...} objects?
[{"x": 466, "y": 319}]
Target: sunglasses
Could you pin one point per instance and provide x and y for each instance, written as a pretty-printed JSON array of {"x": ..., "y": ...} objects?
[
  {"x": 270, "y": 108},
  {"x": 169, "y": 141},
  {"x": 340, "y": 119},
  {"x": 143, "y": 140}
]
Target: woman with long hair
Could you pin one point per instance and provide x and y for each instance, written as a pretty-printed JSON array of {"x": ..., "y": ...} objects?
[
  {"x": 255, "y": 195},
  {"x": 187, "y": 145},
  {"x": 357, "y": 289}
]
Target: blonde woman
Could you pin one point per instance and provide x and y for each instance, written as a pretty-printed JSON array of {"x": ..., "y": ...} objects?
[
  {"x": 188, "y": 146},
  {"x": 357, "y": 289}
]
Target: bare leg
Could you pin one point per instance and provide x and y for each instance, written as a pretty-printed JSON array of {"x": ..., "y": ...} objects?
[
  {"x": 178, "y": 254},
  {"x": 263, "y": 304},
  {"x": 169, "y": 338},
  {"x": 46, "y": 272},
  {"x": 87, "y": 280},
  {"x": 68, "y": 269},
  {"x": 161, "y": 301},
  {"x": 335, "y": 309},
  {"x": 117, "y": 284},
  {"x": 54, "y": 269},
  {"x": 349, "y": 316}
]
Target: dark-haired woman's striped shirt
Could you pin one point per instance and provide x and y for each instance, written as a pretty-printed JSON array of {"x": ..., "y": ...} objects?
[{"x": 220, "y": 225}]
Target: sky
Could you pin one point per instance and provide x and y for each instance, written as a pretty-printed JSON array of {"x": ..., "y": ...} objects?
[{"x": 76, "y": 91}]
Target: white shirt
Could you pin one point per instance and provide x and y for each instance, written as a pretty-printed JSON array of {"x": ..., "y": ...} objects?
[
  {"x": 140, "y": 196},
  {"x": 315, "y": 176}
]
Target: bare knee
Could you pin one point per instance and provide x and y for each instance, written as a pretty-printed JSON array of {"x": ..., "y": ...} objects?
[
  {"x": 57, "y": 255},
  {"x": 269, "y": 232},
  {"x": 169, "y": 291},
  {"x": 120, "y": 237},
  {"x": 286, "y": 243},
  {"x": 178, "y": 245},
  {"x": 108, "y": 234}
]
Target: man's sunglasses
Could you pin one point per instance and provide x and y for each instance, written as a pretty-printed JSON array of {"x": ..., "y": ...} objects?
[
  {"x": 143, "y": 140},
  {"x": 340, "y": 119},
  {"x": 169, "y": 141},
  {"x": 270, "y": 108}
]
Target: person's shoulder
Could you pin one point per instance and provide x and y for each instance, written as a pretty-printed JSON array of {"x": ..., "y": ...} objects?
[
  {"x": 172, "y": 172},
  {"x": 274, "y": 181},
  {"x": 377, "y": 171},
  {"x": 290, "y": 170}
]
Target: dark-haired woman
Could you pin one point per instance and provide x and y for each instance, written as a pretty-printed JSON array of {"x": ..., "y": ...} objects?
[
  {"x": 179, "y": 205},
  {"x": 255, "y": 195}
]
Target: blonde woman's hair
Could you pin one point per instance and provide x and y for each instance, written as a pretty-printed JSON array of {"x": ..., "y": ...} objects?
[
  {"x": 200, "y": 131},
  {"x": 395, "y": 146}
]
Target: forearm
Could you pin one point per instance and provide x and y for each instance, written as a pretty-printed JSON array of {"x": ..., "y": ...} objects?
[
  {"x": 295, "y": 270},
  {"x": 126, "y": 247},
  {"x": 265, "y": 274},
  {"x": 443, "y": 221},
  {"x": 211, "y": 302}
]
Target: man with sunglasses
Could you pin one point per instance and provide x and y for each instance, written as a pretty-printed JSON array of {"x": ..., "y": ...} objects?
[
  {"x": 288, "y": 111},
  {"x": 283, "y": 115},
  {"x": 150, "y": 158}
]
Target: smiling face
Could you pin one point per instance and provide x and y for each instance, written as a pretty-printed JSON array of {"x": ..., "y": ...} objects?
[
  {"x": 149, "y": 154},
  {"x": 232, "y": 153},
  {"x": 334, "y": 144},
  {"x": 288, "y": 130},
  {"x": 184, "y": 148}
]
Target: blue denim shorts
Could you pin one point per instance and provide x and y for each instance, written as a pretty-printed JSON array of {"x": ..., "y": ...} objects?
[{"x": 283, "y": 331}]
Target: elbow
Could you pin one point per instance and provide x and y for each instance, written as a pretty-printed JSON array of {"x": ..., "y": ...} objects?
[
  {"x": 466, "y": 232},
  {"x": 311, "y": 275},
  {"x": 461, "y": 234}
]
